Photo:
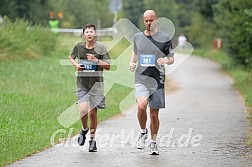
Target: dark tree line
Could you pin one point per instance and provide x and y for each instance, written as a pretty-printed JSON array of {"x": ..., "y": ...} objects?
[{"x": 201, "y": 21}]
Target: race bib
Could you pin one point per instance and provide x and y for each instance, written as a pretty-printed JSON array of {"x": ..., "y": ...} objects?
[
  {"x": 147, "y": 60},
  {"x": 88, "y": 66}
]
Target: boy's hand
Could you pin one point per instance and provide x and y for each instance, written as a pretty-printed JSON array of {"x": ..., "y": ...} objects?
[
  {"x": 92, "y": 58},
  {"x": 132, "y": 67},
  {"x": 79, "y": 67}
]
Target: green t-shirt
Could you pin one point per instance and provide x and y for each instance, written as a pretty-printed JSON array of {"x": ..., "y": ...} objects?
[
  {"x": 54, "y": 25},
  {"x": 92, "y": 73}
]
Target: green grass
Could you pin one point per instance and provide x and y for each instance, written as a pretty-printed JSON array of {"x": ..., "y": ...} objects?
[
  {"x": 242, "y": 78},
  {"x": 35, "y": 90},
  {"x": 33, "y": 93}
]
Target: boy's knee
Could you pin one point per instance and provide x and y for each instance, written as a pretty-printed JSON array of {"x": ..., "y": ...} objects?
[
  {"x": 92, "y": 114},
  {"x": 83, "y": 112}
]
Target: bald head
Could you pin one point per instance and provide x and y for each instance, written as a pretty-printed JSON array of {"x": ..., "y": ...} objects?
[
  {"x": 149, "y": 18},
  {"x": 149, "y": 13}
]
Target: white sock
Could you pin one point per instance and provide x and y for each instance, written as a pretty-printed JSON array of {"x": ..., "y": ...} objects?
[
  {"x": 143, "y": 130},
  {"x": 84, "y": 129},
  {"x": 153, "y": 141}
]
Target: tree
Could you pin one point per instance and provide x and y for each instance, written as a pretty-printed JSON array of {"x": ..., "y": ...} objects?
[
  {"x": 205, "y": 8},
  {"x": 184, "y": 11},
  {"x": 163, "y": 8},
  {"x": 133, "y": 10},
  {"x": 8, "y": 8},
  {"x": 78, "y": 13},
  {"x": 34, "y": 11},
  {"x": 234, "y": 21}
]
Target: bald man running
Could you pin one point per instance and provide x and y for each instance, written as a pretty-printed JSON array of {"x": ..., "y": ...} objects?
[{"x": 152, "y": 50}]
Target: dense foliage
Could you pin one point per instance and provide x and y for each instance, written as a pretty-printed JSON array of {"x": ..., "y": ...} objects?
[{"x": 201, "y": 21}]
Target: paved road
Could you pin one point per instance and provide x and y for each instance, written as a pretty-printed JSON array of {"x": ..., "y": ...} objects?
[{"x": 203, "y": 125}]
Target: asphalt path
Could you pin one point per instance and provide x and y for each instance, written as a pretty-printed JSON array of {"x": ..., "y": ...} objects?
[{"x": 204, "y": 124}]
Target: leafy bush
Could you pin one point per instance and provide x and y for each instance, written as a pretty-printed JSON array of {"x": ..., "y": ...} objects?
[
  {"x": 20, "y": 41},
  {"x": 234, "y": 19}
]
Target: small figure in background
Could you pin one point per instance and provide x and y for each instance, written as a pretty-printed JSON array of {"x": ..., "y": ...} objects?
[
  {"x": 54, "y": 25},
  {"x": 182, "y": 40}
]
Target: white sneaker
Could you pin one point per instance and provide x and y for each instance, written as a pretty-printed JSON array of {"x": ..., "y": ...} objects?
[
  {"x": 153, "y": 149},
  {"x": 141, "y": 140}
]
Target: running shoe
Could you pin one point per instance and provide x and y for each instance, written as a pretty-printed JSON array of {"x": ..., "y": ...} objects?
[
  {"x": 153, "y": 149},
  {"x": 141, "y": 140},
  {"x": 82, "y": 137},
  {"x": 92, "y": 146}
]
